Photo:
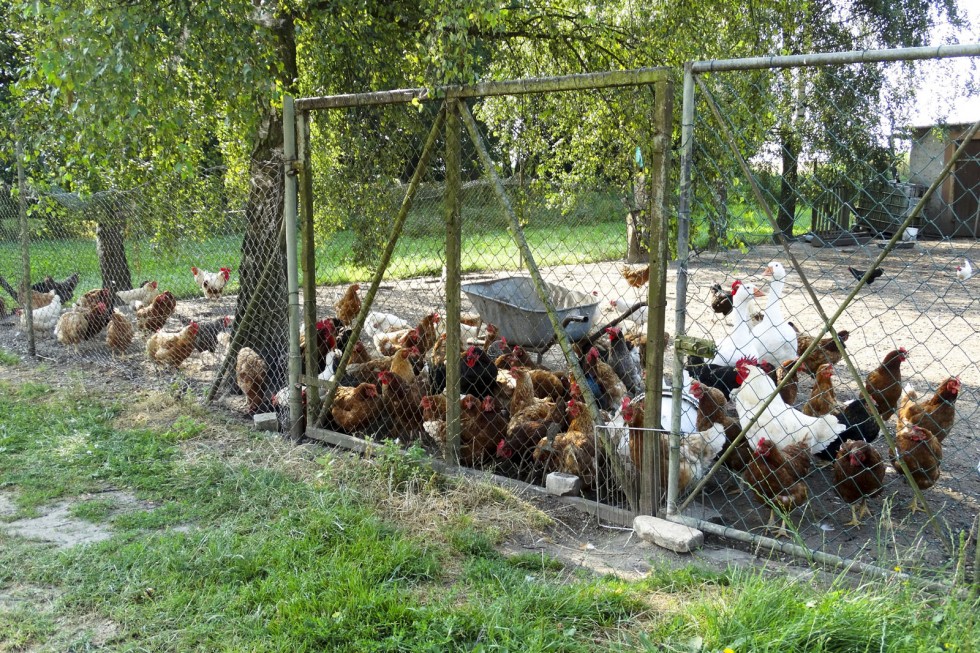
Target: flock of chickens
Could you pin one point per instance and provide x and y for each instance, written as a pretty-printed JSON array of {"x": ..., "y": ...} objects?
[{"x": 95, "y": 312}]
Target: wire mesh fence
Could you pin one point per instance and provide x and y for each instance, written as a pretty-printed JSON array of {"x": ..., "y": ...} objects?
[
  {"x": 823, "y": 163},
  {"x": 459, "y": 289}
]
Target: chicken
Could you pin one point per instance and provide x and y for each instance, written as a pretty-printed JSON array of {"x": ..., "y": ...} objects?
[
  {"x": 859, "y": 473},
  {"x": 376, "y": 322},
  {"x": 776, "y": 477},
  {"x": 65, "y": 289},
  {"x": 638, "y": 344},
  {"x": 477, "y": 373},
  {"x": 81, "y": 323},
  {"x": 724, "y": 378},
  {"x": 403, "y": 404},
  {"x": 740, "y": 343},
  {"x": 637, "y": 277},
  {"x": 401, "y": 364},
  {"x": 326, "y": 342},
  {"x": 638, "y": 317},
  {"x": 550, "y": 385},
  {"x": 779, "y": 423},
  {"x": 825, "y": 352},
  {"x": 207, "y": 333},
  {"x": 604, "y": 384},
  {"x": 434, "y": 410},
  {"x": 860, "y": 426},
  {"x": 623, "y": 363},
  {"x": 922, "y": 453},
  {"x": 721, "y": 300},
  {"x": 884, "y": 383},
  {"x": 822, "y": 399},
  {"x": 572, "y": 452},
  {"x": 355, "y": 408},
  {"x": 250, "y": 374},
  {"x": 45, "y": 318},
  {"x": 348, "y": 306},
  {"x": 482, "y": 427},
  {"x": 141, "y": 296},
  {"x": 152, "y": 318},
  {"x": 120, "y": 333},
  {"x": 775, "y": 338},
  {"x": 212, "y": 283},
  {"x": 98, "y": 319},
  {"x": 712, "y": 416},
  {"x": 632, "y": 412},
  {"x": 935, "y": 414},
  {"x": 791, "y": 389},
  {"x": 172, "y": 349},
  {"x": 531, "y": 419}
]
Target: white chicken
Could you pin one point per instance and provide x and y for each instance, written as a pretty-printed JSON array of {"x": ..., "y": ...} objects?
[
  {"x": 211, "y": 283},
  {"x": 377, "y": 322},
  {"x": 44, "y": 318},
  {"x": 776, "y": 338},
  {"x": 638, "y": 317},
  {"x": 740, "y": 343},
  {"x": 779, "y": 423},
  {"x": 137, "y": 297},
  {"x": 965, "y": 271}
]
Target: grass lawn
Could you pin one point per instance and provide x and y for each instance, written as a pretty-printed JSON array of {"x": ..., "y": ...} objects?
[{"x": 244, "y": 542}]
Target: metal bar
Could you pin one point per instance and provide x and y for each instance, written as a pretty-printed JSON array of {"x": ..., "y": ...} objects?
[
  {"x": 562, "y": 338},
  {"x": 396, "y": 230},
  {"x": 828, "y": 322},
  {"x": 848, "y": 57},
  {"x": 650, "y": 483},
  {"x": 310, "y": 313},
  {"x": 453, "y": 271},
  {"x": 680, "y": 306},
  {"x": 26, "y": 295},
  {"x": 610, "y": 79},
  {"x": 292, "y": 273}
]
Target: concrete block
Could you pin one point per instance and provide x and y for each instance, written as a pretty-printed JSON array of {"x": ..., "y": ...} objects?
[
  {"x": 266, "y": 422},
  {"x": 563, "y": 485},
  {"x": 676, "y": 537}
]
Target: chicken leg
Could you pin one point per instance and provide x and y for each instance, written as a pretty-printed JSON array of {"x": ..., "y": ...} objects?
[
  {"x": 914, "y": 507},
  {"x": 854, "y": 516}
]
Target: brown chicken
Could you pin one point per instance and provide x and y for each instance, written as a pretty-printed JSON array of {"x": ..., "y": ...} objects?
[
  {"x": 402, "y": 403},
  {"x": 81, "y": 323},
  {"x": 711, "y": 411},
  {"x": 822, "y": 399},
  {"x": 721, "y": 300},
  {"x": 531, "y": 420},
  {"x": 825, "y": 352},
  {"x": 480, "y": 435},
  {"x": 859, "y": 473},
  {"x": 791, "y": 390},
  {"x": 401, "y": 364},
  {"x": 250, "y": 373},
  {"x": 884, "y": 384},
  {"x": 172, "y": 349},
  {"x": 152, "y": 318},
  {"x": 935, "y": 414},
  {"x": 355, "y": 408},
  {"x": 473, "y": 441},
  {"x": 348, "y": 306},
  {"x": 572, "y": 452},
  {"x": 922, "y": 453},
  {"x": 632, "y": 410},
  {"x": 550, "y": 385},
  {"x": 637, "y": 277},
  {"x": 120, "y": 333},
  {"x": 98, "y": 319},
  {"x": 612, "y": 389},
  {"x": 776, "y": 476}
]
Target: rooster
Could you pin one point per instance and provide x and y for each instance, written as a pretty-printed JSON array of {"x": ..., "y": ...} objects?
[
  {"x": 120, "y": 333},
  {"x": 779, "y": 423},
  {"x": 152, "y": 318},
  {"x": 141, "y": 296},
  {"x": 922, "y": 453},
  {"x": 859, "y": 473},
  {"x": 250, "y": 373},
  {"x": 172, "y": 350},
  {"x": 884, "y": 383},
  {"x": 935, "y": 414},
  {"x": 603, "y": 381},
  {"x": 212, "y": 283}
]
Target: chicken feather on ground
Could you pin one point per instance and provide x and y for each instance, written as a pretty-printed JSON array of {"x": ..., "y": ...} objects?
[
  {"x": 859, "y": 474},
  {"x": 922, "y": 453},
  {"x": 935, "y": 414}
]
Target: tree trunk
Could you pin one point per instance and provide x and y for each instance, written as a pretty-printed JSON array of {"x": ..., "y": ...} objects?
[
  {"x": 787, "y": 191},
  {"x": 266, "y": 332},
  {"x": 110, "y": 245}
]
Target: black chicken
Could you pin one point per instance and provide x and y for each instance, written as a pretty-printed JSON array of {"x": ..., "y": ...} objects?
[
  {"x": 477, "y": 373},
  {"x": 860, "y": 426}
]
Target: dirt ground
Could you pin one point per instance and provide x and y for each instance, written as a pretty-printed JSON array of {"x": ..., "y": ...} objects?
[{"x": 917, "y": 304}]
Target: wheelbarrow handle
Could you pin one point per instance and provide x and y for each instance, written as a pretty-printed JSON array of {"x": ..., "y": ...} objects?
[{"x": 602, "y": 330}]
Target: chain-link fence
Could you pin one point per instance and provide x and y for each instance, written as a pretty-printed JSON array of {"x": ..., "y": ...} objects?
[
  {"x": 476, "y": 242},
  {"x": 876, "y": 417},
  {"x": 142, "y": 284}
]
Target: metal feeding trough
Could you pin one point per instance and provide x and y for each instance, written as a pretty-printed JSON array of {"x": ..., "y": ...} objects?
[{"x": 513, "y": 306}]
